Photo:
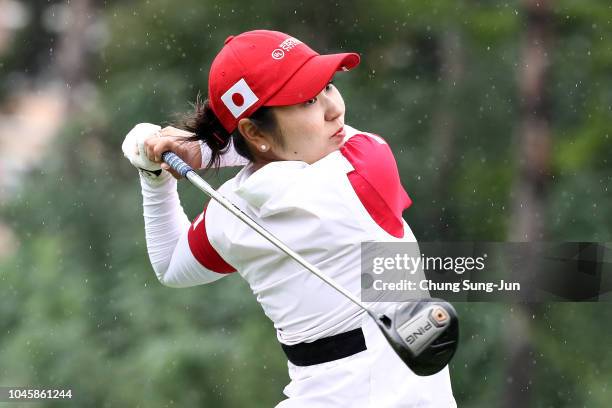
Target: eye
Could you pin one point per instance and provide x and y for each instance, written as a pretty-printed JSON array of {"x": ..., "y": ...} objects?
[{"x": 328, "y": 88}]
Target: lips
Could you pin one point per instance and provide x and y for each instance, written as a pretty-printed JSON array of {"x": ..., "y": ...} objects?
[{"x": 340, "y": 132}]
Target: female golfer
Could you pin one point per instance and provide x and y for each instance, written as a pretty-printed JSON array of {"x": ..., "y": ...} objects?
[{"x": 319, "y": 185}]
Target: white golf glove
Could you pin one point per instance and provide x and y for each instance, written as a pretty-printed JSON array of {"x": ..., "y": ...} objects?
[{"x": 134, "y": 151}]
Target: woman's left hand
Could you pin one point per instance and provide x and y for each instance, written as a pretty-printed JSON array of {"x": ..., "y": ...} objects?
[{"x": 173, "y": 139}]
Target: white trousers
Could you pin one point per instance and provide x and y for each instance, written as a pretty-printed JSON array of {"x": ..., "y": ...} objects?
[{"x": 374, "y": 378}]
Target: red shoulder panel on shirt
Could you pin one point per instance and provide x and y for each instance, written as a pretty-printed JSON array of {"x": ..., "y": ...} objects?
[
  {"x": 376, "y": 181},
  {"x": 202, "y": 250}
]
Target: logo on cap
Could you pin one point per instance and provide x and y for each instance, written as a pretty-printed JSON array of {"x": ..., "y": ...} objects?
[
  {"x": 289, "y": 43},
  {"x": 284, "y": 47},
  {"x": 278, "y": 54},
  {"x": 239, "y": 98}
]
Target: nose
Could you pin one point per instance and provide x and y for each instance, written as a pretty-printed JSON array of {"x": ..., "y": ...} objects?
[{"x": 333, "y": 107}]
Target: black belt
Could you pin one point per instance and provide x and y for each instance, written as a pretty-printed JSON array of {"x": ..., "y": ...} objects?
[{"x": 326, "y": 349}]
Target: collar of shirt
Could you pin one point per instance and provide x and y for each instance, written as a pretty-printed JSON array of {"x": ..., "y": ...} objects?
[{"x": 282, "y": 177}]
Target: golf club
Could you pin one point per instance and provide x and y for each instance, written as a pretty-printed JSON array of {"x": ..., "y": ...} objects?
[{"x": 423, "y": 333}]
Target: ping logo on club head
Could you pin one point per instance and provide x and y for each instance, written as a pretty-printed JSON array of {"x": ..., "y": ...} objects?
[{"x": 421, "y": 330}]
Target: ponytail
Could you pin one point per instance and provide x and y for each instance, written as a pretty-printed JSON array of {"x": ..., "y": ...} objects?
[{"x": 206, "y": 127}]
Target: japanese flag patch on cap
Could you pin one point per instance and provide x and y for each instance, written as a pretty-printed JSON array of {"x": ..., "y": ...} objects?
[{"x": 239, "y": 98}]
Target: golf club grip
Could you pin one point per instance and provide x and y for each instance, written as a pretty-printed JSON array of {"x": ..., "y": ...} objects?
[{"x": 176, "y": 163}]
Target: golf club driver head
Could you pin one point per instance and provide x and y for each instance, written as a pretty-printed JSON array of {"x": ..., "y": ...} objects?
[{"x": 423, "y": 333}]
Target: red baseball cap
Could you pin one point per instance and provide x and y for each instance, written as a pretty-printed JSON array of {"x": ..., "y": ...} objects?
[{"x": 268, "y": 68}]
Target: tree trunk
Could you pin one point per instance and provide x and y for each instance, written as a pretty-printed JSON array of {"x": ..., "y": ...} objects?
[
  {"x": 70, "y": 65},
  {"x": 534, "y": 139},
  {"x": 529, "y": 196}
]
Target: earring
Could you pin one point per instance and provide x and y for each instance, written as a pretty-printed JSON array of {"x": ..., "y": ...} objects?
[{"x": 263, "y": 148}]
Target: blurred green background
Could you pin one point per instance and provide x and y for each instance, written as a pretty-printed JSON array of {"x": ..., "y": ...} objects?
[{"x": 499, "y": 113}]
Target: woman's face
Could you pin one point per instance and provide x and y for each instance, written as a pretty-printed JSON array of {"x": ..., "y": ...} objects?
[{"x": 309, "y": 130}]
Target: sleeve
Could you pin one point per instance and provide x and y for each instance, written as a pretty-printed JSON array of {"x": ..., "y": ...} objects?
[
  {"x": 376, "y": 181},
  {"x": 202, "y": 249},
  {"x": 230, "y": 158},
  {"x": 167, "y": 234}
]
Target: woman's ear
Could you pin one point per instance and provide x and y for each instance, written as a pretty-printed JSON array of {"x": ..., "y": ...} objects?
[{"x": 253, "y": 135}]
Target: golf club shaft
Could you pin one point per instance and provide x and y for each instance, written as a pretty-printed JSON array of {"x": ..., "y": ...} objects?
[{"x": 186, "y": 171}]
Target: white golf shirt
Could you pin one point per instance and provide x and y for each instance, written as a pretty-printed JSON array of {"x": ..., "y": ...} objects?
[{"x": 323, "y": 211}]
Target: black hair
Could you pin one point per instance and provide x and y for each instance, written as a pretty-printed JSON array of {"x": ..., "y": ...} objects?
[{"x": 206, "y": 127}]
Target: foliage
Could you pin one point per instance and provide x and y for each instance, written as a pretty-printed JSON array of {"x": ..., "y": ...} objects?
[{"x": 80, "y": 306}]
